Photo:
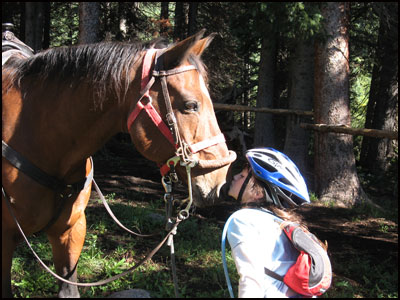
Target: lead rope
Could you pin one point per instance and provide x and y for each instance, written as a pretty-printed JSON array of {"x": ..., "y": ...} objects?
[
  {"x": 170, "y": 243},
  {"x": 167, "y": 182},
  {"x": 103, "y": 199}
]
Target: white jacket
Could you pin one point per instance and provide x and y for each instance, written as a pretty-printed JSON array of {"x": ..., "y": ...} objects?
[{"x": 257, "y": 242}]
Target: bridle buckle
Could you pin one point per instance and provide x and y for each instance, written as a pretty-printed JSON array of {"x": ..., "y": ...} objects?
[{"x": 171, "y": 119}]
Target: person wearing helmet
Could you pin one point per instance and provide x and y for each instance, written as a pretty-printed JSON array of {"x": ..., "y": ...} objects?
[{"x": 266, "y": 188}]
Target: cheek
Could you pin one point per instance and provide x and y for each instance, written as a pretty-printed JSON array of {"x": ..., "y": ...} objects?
[{"x": 234, "y": 190}]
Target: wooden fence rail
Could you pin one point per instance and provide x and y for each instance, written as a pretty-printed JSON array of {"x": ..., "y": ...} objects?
[
  {"x": 394, "y": 135},
  {"x": 221, "y": 106}
]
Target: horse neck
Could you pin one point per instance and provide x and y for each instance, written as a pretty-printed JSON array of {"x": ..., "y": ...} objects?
[{"x": 66, "y": 129}]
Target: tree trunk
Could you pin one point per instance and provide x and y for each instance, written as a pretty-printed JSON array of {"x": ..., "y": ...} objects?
[
  {"x": 180, "y": 21},
  {"x": 264, "y": 125},
  {"x": 164, "y": 10},
  {"x": 46, "y": 25},
  {"x": 192, "y": 26},
  {"x": 301, "y": 93},
  {"x": 122, "y": 26},
  {"x": 244, "y": 98},
  {"x": 22, "y": 20},
  {"x": 34, "y": 12},
  {"x": 89, "y": 22},
  {"x": 336, "y": 177},
  {"x": 380, "y": 151},
  {"x": 164, "y": 17},
  {"x": 369, "y": 118}
]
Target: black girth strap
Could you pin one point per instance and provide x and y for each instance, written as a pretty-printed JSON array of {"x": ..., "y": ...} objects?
[
  {"x": 57, "y": 185},
  {"x": 63, "y": 190},
  {"x": 24, "y": 165}
]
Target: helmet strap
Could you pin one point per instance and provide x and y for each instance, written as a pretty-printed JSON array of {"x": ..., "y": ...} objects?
[
  {"x": 245, "y": 182},
  {"x": 272, "y": 197},
  {"x": 288, "y": 202}
]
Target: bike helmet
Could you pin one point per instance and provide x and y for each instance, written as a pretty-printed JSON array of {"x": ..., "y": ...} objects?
[{"x": 285, "y": 187}]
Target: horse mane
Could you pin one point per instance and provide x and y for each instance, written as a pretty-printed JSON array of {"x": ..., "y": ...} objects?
[{"x": 105, "y": 66}]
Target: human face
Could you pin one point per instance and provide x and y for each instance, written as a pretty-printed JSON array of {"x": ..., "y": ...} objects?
[{"x": 237, "y": 183}]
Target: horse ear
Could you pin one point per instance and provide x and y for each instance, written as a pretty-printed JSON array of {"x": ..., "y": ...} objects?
[
  {"x": 178, "y": 53},
  {"x": 201, "y": 45}
]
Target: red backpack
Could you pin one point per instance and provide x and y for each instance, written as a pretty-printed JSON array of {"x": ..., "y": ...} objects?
[{"x": 311, "y": 275}]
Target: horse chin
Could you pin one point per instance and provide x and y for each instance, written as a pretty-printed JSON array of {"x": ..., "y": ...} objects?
[{"x": 204, "y": 197}]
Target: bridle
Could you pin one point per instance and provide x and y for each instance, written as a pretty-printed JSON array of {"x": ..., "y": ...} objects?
[{"x": 183, "y": 151}]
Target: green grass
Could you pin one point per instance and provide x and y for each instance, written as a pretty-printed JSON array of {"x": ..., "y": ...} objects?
[
  {"x": 365, "y": 275},
  {"x": 368, "y": 279},
  {"x": 109, "y": 251}
]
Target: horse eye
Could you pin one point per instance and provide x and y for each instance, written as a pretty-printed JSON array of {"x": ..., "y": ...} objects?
[{"x": 192, "y": 106}]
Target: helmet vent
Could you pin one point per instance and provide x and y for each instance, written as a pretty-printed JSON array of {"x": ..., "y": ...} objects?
[
  {"x": 273, "y": 156},
  {"x": 265, "y": 166},
  {"x": 287, "y": 169},
  {"x": 285, "y": 181}
]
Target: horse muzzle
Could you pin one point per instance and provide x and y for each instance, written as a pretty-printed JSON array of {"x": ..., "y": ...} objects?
[{"x": 207, "y": 187}]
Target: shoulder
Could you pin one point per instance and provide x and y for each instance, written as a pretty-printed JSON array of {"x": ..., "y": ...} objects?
[
  {"x": 253, "y": 215},
  {"x": 250, "y": 224}
]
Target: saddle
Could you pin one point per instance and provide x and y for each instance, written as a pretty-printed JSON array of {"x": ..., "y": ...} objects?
[{"x": 11, "y": 45}]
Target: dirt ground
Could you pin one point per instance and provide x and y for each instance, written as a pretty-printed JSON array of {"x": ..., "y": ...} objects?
[{"x": 350, "y": 236}]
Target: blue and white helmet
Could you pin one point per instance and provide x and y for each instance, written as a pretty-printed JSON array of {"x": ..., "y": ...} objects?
[{"x": 280, "y": 175}]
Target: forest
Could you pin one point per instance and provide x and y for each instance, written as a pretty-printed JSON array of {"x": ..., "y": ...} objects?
[
  {"x": 268, "y": 55},
  {"x": 317, "y": 81}
]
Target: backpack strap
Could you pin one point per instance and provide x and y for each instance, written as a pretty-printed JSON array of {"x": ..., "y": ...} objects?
[
  {"x": 273, "y": 274},
  {"x": 267, "y": 271}
]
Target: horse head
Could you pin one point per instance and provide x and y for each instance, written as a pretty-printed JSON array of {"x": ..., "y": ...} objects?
[{"x": 178, "y": 92}]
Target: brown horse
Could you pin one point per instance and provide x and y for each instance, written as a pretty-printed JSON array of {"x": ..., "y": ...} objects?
[{"x": 60, "y": 106}]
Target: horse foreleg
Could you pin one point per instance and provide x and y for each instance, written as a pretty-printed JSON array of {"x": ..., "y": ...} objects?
[
  {"x": 67, "y": 236},
  {"x": 67, "y": 247}
]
